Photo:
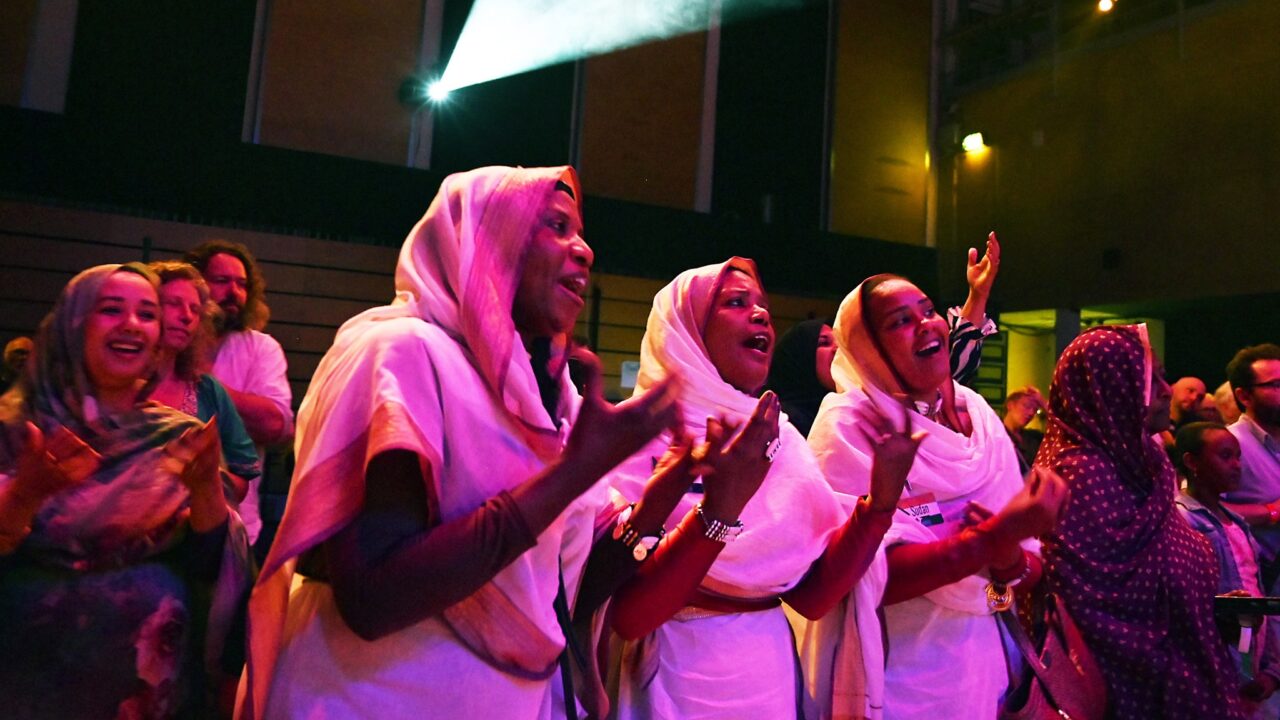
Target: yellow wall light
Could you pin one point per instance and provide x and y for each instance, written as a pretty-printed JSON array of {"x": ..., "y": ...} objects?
[{"x": 973, "y": 143}]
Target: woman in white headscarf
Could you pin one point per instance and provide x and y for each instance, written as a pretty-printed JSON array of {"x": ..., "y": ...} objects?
[
  {"x": 709, "y": 638},
  {"x": 441, "y": 504},
  {"x": 951, "y": 561}
]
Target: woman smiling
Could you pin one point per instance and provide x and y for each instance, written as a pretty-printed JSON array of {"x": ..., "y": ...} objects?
[
  {"x": 759, "y": 526},
  {"x": 123, "y": 564},
  {"x": 951, "y": 561}
]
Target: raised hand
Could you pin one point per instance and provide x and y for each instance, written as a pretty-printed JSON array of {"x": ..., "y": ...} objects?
[
  {"x": 981, "y": 274},
  {"x": 893, "y": 451},
  {"x": 738, "y": 464},
  {"x": 46, "y": 467},
  {"x": 605, "y": 435}
]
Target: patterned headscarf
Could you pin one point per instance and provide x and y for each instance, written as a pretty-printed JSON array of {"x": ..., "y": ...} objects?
[{"x": 1137, "y": 579}]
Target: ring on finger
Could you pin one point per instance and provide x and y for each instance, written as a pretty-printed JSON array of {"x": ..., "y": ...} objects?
[{"x": 771, "y": 448}]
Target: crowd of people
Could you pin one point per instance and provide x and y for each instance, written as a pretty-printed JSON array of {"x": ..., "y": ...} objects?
[{"x": 824, "y": 525}]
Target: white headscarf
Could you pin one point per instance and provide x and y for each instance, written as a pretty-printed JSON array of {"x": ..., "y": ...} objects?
[
  {"x": 792, "y": 516},
  {"x": 955, "y": 468},
  {"x": 458, "y": 271}
]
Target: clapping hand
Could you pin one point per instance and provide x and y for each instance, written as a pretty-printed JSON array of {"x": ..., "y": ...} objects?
[
  {"x": 605, "y": 435},
  {"x": 47, "y": 466},
  {"x": 893, "y": 451},
  {"x": 195, "y": 457},
  {"x": 739, "y": 463},
  {"x": 1036, "y": 509}
]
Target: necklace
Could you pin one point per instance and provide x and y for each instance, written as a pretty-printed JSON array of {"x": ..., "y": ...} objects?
[{"x": 929, "y": 409}]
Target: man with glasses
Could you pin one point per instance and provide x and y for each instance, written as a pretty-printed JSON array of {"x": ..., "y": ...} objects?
[{"x": 1254, "y": 374}]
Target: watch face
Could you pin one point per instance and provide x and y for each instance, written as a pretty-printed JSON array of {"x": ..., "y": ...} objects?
[{"x": 640, "y": 551}]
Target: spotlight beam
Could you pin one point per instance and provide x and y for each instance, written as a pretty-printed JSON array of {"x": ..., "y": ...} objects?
[{"x": 508, "y": 37}]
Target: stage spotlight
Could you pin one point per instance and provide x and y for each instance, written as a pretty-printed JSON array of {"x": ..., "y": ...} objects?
[
  {"x": 973, "y": 143},
  {"x": 1105, "y": 5},
  {"x": 437, "y": 91}
]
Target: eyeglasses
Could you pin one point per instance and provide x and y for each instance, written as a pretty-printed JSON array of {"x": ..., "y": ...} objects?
[{"x": 1268, "y": 385}]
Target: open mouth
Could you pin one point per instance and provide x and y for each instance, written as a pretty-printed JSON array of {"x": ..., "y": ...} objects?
[
  {"x": 760, "y": 342},
  {"x": 126, "y": 348},
  {"x": 575, "y": 284},
  {"x": 930, "y": 348}
]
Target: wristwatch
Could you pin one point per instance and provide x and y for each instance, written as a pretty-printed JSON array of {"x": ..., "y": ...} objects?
[
  {"x": 717, "y": 530},
  {"x": 641, "y": 546}
]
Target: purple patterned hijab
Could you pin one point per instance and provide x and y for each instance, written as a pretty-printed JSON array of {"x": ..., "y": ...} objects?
[{"x": 1137, "y": 579}]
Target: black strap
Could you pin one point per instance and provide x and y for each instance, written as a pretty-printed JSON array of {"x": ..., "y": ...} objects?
[{"x": 561, "y": 606}]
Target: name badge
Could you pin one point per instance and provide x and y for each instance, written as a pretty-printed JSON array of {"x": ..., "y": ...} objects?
[{"x": 924, "y": 509}]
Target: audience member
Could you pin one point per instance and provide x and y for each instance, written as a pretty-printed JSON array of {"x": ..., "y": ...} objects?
[
  {"x": 708, "y": 636},
  {"x": 16, "y": 352},
  {"x": 952, "y": 562},
  {"x": 1225, "y": 399},
  {"x": 801, "y": 369},
  {"x": 1020, "y": 408},
  {"x": 120, "y": 566},
  {"x": 1209, "y": 457},
  {"x": 1254, "y": 374},
  {"x": 181, "y": 381},
  {"x": 1137, "y": 580},
  {"x": 1184, "y": 407},
  {"x": 446, "y": 494},
  {"x": 249, "y": 363}
]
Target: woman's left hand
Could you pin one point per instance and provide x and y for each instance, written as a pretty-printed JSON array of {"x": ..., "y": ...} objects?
[
  {"x": 981, "y": 274},
  {"x": 195, "y": 457}
]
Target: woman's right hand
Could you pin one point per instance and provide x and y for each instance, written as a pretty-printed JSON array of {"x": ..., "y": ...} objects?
[
  {"x": 739, "y": 467},
  {"x": 893, "y": 452},
  {"x": 605, "y": 435},
  {"x": 1035, "y": 510},
  {"x": 47, "y": 466}
]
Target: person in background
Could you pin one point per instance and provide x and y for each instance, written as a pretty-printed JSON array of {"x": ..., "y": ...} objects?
[
  {"x": 1225, "y": 399},
  {"x": 1209, "y": 457},
  {"x": 1020, "y": 408},
  {"x": 1138, "y": 581},
  {"x": 121, "y": 565},
  {"x": 249, "y": 363},
  {"x": 1254, "y": 374},
  {"x": 1185, "y": 406},
  {"x": 1208, "y": 410},
  {"x": 16, "y": 352}
]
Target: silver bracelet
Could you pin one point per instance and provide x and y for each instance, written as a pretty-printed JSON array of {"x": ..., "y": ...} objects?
[{"x": 717, "y": 530}]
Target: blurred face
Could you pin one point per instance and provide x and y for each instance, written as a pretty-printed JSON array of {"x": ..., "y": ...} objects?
[
  {"x": 1262, "y": 399},
  {"x": 556, "y": 272},
  {"x": 228, "y": 287},
  {"x": 180, "y": 314},
  {"x": 739, "y": 333},
  {"x": 1187, "y": 394},
  {"x": 825, "y": 355},
  {"x": 1217, "y": 465},
  {"x": 913, "y": 335},
  {"x": 17, "y": 352},
  {"x": 121, "y": 332},
  {"x": 1158, "y": 419},
  {"x": 1208, "y": 410},
  {"x": 1022, "y": 410}
]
